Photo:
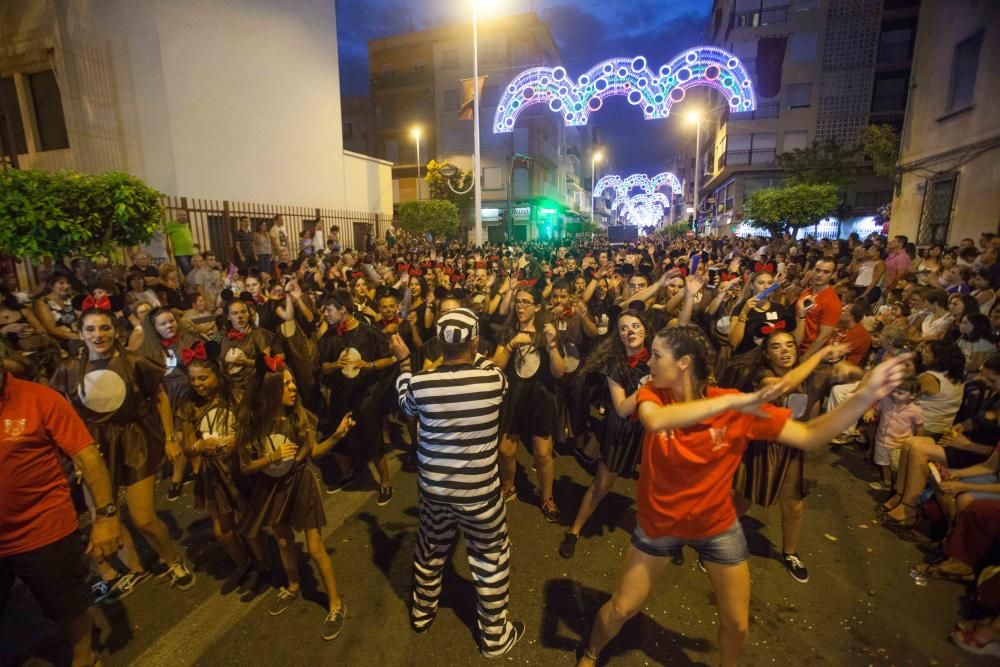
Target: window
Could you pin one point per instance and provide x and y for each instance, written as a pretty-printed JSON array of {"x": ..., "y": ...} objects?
[
  {"x": 894, "y": 44},
  {"x": 392, "y": 150},
  {"x": 964, "y": 66},
  {"x": 799, "y": 95},
  {"x": 48, "y": 111},
  {"x": 935, "y": 216},
  {"x": 418, "y": 65},
  {"x": 9, "y": 92},
  {"x": 802, "y": 48},
  {"x": 797, "y": 139},
  {"x": 492, "y": 178},
  {"x": 890, "y": 92},
  {"x": 449, "y": 59},
  {"x": 452, "y": 100},
  {"x": 521, "y": 52}
]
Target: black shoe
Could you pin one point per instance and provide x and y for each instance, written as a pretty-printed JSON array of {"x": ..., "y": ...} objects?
[
  {"x": 514, "y": 637},
  {"x": 795, "y": 567},
  {"x": 341, "y": 484},
  {"x": 253, "y": 585},
  {"x": 124, "y": 585},
  {"x": 174, "y": 491},
  {"x": 384, "y": 495},
  {"x": 283, "y": 601},
  {"x": 568, "y": 546},
  {"x": 550, "y": 511},
  {"x": 334, "y": 622},
  {"x": 232, "y": 582}
]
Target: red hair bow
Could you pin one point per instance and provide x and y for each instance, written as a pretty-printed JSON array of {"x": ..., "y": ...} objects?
[
  {"x": 189, "y": 354},
  {"x": 416, "y": 273},
  {"x": 104, "y": 303},
  {"x": 527, "y": 283},
  {"x": 357, "y": 274},
  {"x": 480, "y": 265},
  {"x": 769, "y": 329},
  {"x": 637, "y": 358},
  {"x": 403, "y": 268},
  {"x": 169, "y": 342},
  {"x": 275, "y": 363},
  {"x": 235, "y": 335}
]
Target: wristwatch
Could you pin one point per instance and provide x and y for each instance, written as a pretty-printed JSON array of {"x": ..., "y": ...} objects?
[{"x": 108, "y": 510}]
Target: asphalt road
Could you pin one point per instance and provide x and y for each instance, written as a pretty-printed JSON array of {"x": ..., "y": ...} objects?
[{"x": 859, "y": 608}]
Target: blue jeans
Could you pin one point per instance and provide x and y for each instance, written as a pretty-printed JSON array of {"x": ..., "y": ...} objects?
[
  {"x": 264, "y": 263},
  {"x": 727, "y": 548},
  {"x": 184, "y": 264}
]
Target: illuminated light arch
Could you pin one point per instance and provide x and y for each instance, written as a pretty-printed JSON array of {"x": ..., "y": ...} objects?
[
  {"x": 654, "y": 92},
  {"x": 643, "y": 209},
  {"x": 648, "y": 185}
]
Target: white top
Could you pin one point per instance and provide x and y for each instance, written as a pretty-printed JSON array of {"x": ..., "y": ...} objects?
[
  {"x": 936, "y": 327},
  {"x": 865, "y": 274},
  {"x": 941, "y": 408}
]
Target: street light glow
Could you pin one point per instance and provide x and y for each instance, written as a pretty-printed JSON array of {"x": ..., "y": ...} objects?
[
  {"x": 693, "y": 116},
  {"x": 415, "y": 133},
  {"x": 598, "y": 156}
]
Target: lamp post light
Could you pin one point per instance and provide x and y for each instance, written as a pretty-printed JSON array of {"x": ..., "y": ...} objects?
[
  {"x": 415, "y": 133},
  {"x": 476, "y": 164},
  {"x": 594, "y": 159},
  {"x": 695, "y": 117}
]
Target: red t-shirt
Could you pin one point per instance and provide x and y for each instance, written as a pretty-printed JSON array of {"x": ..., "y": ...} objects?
[
  {"x": 826, "y": 312},
  {"x": 36, "y": 423},
  {"x": 686, "y": 476},
  {"x": 858, "y": 340}
]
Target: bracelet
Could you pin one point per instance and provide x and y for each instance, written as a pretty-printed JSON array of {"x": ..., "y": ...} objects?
[{"x": 406, "y": 358}]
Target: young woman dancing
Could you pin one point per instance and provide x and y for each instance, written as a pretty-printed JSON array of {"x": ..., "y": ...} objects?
[{"x": 695, "y": 437}]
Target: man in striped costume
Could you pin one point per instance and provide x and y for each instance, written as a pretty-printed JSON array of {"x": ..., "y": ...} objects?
[{"x": 458, "y": 407}]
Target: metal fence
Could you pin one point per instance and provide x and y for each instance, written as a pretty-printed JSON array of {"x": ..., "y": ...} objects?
[{"x": 214, "y": 222}]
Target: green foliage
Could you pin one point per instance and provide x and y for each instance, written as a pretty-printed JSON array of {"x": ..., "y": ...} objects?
[
  {"x": 823, "y": 162},
  {"x": 66, "y": 214},
  {"x": 435, "y": 216},
  {"x": 676, "y": 229},
  {"x": 788, "y": 208},
  {"x": 881, "y": 144},
  {"x": 437, "y": 186}
]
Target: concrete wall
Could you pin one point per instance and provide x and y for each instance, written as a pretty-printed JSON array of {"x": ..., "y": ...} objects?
[
  {"x": 929, "y": 132},
  {"x": 368, "y": 183}
]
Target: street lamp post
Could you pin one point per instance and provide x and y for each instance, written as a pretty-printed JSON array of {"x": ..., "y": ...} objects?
[
  {"x": 594, "y": 158},
  {"x": 695, "y": 117},
  {"x": 415, "y": 133},
  {"x": 476, "y": 168}
]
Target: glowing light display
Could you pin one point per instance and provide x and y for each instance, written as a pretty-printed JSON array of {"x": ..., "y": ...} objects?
[
  {"x": 622, "y": 186},
  {"x": 653, "y": 92},
  {"x": 643, "y": 209}
]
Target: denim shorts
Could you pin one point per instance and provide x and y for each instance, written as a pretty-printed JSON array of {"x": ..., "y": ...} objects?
[
  {"x": 727, "y": 548},
  {"x": 982, "y": 479}
]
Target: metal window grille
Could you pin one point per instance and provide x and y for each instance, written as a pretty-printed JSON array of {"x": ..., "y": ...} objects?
[{"x": 935, "y": 215}]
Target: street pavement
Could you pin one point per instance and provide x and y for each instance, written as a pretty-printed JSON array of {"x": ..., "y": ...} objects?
[{"x": 860, "y": 607}]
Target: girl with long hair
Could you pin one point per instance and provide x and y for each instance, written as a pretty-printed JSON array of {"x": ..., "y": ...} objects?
[
  {"x": 243, "y": 342},
  {"x": 163, "y": 338},
  {"x": 56, "y": 314},
  {"x": 621, "y": 358},
  {"x": 695, "y": 437},
  {"x": 530, "y": 342},
  {"x": 275, "y": 436},
  {"x": 758, "y": 316},
  {"x": 119, "y": 395},
  {"x": 208, "y": 426}
]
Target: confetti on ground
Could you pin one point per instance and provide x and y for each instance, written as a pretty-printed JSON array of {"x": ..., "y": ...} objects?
[{"x": 830, "y": 537}]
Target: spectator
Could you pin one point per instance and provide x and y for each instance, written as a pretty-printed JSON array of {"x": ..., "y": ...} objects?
[
  {"x": 898, "y": 418},
  {"x": 853, "y": 334},
  {"x": 141, "y": 264},
  {"x": 935, "y": 324},
  {"x": 56, "y": 314},
  {"x": 243, "y": 245},
  {"x": 179, "y": 233},
  {"x": 279, "y": 236},
  {"x": 977, "y": 341},
  {"x": 818, "y": 309},
  {"x": 262, "y": 248},
  {"x": 897, "y": 263}
]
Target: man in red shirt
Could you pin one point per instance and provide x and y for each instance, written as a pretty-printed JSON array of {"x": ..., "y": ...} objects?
[
  {"x": 818, "y": 310},
  {"x": 852, "y": 333},
  {"x": 39, "y": 543}
]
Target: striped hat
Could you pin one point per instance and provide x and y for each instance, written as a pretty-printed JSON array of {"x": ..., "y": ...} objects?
[{"x": 458, "y": 326}]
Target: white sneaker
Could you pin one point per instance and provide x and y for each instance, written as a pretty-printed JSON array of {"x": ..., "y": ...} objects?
[
  {"x": 879, "y": 486},
  {"x": 181, "y": 577}
]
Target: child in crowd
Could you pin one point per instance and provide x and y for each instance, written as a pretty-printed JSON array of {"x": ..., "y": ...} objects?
[{"x": 898, "y": 418}]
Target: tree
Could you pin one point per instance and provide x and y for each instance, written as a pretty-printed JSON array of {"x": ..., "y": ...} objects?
[
  {"x": 430, "y": 216},
  {"x": 789, "y": 208},
  {"x": 66, "y": 214},
  {"x": 437, "y": 185},
  {"x": 881, "y": 144},
  {"x": 823, "y": 162}
]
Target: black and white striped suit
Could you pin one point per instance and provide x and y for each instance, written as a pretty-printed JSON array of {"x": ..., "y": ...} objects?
[{"x": 458, "y": 409}]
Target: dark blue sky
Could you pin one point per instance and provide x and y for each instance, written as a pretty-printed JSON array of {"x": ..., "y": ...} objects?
[{"x": 586, "y": 32}]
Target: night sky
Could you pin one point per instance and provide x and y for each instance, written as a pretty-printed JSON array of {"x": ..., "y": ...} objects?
[{"x": 586, "y": 32}]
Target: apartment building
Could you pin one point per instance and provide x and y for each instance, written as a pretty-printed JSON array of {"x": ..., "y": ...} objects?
[
  {"x": 417, "y": 82},
  {"x": 949, "y": 186},
  {"x": 823, "y": 69}
]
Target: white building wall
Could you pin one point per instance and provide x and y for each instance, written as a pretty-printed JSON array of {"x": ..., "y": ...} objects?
[{"x": 365, "y": 180}]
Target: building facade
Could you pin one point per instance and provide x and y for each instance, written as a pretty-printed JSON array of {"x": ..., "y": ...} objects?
[
  {"x": 949, "y": 164},
  {"x": 420, "y": 80},
  {"x": 823, "y": 70},
  {"x": 176, "y": 93}
]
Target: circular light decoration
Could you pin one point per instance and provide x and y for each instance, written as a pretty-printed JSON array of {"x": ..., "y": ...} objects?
[
  {"x": 630, "y": 77},
  {"x": 645, "y": 207}
]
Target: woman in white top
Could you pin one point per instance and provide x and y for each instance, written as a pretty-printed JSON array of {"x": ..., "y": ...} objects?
[
  {"x": 940, "y": 384},
  {"x": 976, "y": 342},
  {"x": 983, "y": 291},
  {"x": 938, "y": 320},
  {"x": 870, "y": 272}
]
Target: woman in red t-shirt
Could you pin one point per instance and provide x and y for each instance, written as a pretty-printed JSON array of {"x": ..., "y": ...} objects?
[{"x": 695, "y": 437}]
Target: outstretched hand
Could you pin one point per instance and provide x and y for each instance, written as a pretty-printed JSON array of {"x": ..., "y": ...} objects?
[
  {"x": 881, "y": 380},
  {"x": 398, "y": 347},
  {"x": 751, "y": 403}
]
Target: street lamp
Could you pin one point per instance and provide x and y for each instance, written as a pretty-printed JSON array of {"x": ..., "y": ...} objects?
[
  {"x": 476, "y": 162},
  {"x": 594, "y": 159},
  {"x": 695, "y": 117},
  {"x": 415, "y": 133}
]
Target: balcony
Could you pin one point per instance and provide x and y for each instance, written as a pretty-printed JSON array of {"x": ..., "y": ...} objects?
[
  {"x": 763, "y": 110},
  {"x": 888, "y": 103},
  {"x": 742, "y": 158},
  {"x": 893, "y": 53},
  {"x": 755, "y": 18}
]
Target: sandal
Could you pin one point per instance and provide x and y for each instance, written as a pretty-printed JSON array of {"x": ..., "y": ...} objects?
[
  {"x": 967, "y": 640},
  {"x": 936, "y": 572},
  {"x": 895, "y": 524},
  {"x": 881, "y": 507}
]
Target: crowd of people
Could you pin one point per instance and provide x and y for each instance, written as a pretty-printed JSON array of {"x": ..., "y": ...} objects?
[{"x": 706, "y": 368}]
